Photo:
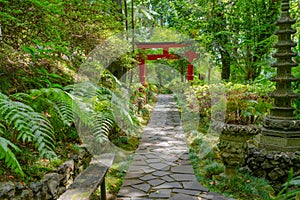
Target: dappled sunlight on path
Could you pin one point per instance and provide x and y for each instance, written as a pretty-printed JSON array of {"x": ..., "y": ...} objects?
[{"x": 161, "y": 168}]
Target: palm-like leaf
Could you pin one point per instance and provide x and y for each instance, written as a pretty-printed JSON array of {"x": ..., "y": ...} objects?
[
  {"x": 123, "y": 111},
  {"x": 43, "y": 135}
]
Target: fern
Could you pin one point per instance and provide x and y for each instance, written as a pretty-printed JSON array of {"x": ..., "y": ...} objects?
[
  {"x": 106, "y": 107},
  {"x": 16, "y": 115},
  {"x": 82, "y": 95},
  {"x": 28, "y": 125},
  {"x": 104, "y": 94},
  {"x": 8, "y": 155},
  {"x": 46, "y": 98},
  {"x": 86, "y": 89},
  {"x": 123, "y": 110},
  {"x": 103, "y": 122},
  {"x": 58, "y": 100},
  {"x": 43, "y": 135}
]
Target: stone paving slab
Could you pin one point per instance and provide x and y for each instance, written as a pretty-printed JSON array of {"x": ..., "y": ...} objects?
[{"x": 161, "y": 168}]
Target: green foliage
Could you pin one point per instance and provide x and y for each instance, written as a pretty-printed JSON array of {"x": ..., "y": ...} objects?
[
  {"x": 115, "y": 176},
  {"x": 44, "y": 41},
  {"x": 26, "y": 125},
  {"x": 246, "y": 104},
  {"x": 213, "y": 168},
  {"x": 42, "y": 44},
  {"x": 291, "y": 189},
  {"x": 8, "y": 155},
  {"x": 109, "y": 109},
  {"x": 243, "y": 104},
  {"x": 238, "y": 34},
  {"x": 53, "y": 101},
  {"x": 55, "y": 107},
  {"x": 246, "y": 187},
  {"x": 103, "y": 123},
  {"x": 209, "y": 171}
]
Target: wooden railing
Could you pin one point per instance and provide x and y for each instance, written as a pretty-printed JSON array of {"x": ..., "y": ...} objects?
[{"x": 87, "y": 182}]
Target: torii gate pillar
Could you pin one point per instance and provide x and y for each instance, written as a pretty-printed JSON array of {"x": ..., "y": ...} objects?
[
  {"x": 190, "y": 72},
  {"x": 142, "y": 72},
  {"x": 190, "y": 57}
]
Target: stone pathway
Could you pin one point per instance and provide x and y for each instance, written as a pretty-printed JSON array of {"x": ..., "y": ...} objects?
[{"x": 161, "y": 168}]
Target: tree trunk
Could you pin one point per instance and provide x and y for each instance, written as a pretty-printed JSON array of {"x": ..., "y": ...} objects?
[{"x": 225, "y": 59}]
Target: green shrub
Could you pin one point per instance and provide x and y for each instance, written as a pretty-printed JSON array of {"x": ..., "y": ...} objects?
[{"x": 243, "y": 103}]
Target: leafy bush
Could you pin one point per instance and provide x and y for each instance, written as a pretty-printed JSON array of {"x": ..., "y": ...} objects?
[
  {"x": 50, "y": 101},
  {"x": 244, "y": 103},
  {"x": 54, "y": 107}
]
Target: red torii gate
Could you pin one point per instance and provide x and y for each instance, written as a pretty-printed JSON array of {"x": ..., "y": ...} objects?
[{"x": 190, "y": 55}]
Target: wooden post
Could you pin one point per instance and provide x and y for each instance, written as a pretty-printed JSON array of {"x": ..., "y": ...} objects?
[{"x": 103, "y": 190}]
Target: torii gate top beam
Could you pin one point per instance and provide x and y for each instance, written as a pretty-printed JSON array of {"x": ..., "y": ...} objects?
[
  {"x": 190, "y": 55},
  {"x": 163, "y": 45}
]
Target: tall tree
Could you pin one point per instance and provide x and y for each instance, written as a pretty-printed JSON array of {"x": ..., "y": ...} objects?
[{"x": 258, "y": 33}]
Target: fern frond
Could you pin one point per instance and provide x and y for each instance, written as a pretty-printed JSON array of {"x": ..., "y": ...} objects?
[
  {"x": 22, "y": 97},
  {"x": 82, "y": 109},
  {"x": 43, "y": 135},
  {"x": 85, "y": 89},
  {"x": 105, "y": 106},
  {"x": 2, "y": 129},
  {"x": 46, "y": 98},
  {"x": 103, "y": 122},
  {"x": 65, "y": 111},
  {"x": 59, "y": 100},
  {"x": 7, "y": 154},
  {"x": 15, "y": 114},
  {"x": 123, "y": 113},
  {"x": 104, "y": 94},
  {"x": 29, "y": 125},
  {"x": 3, "y": 96}
]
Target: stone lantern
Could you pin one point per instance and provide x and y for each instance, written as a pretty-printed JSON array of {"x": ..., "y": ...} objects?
[
  {"x": 278, "y": 149},
  {"x": 281, "y": 129}
]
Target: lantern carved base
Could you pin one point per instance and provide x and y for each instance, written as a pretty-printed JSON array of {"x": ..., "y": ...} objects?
[
  {"x": 233, "y": 144},
  {"x": 280, "y": 135}
]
